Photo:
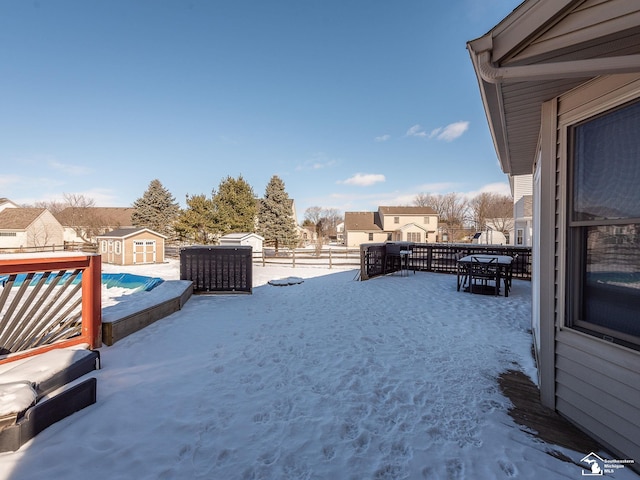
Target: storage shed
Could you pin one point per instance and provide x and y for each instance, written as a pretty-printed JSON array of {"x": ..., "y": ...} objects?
[
  {"x": 243, "y": 239},
  {"x": 131, "y": 246}
]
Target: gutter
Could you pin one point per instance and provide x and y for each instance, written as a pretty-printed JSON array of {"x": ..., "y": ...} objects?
[{"x": 555, "y": 70}]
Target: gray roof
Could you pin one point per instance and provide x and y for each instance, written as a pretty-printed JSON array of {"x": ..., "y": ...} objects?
[{"x": 127, "y": 232}]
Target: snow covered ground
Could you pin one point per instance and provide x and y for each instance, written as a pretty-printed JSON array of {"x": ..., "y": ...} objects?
[{"x": 331, "y": 378}]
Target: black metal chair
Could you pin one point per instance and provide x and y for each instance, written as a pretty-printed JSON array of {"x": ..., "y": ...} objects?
[{"x": 484, "y": 275}]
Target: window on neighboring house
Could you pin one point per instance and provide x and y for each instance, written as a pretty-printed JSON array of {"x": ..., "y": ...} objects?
[
  {"x": 414, "y": 237},
  {"x": 427, "y": 220},
  {"x": 396, "y": 219},
  {"x": 389, "y": 237},
  {"x": 103, "y": 246},
  {"x": 520, "y": 236},
  {"x": 117, "y": 246},
  {"x": 371, "y": 237},
  {"x": 603, "y": 268},
  {"x": 8, "y": 234}
]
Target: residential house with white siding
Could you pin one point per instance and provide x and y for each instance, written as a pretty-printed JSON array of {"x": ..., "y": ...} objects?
[
  {"x": 522, "y": 193},
  {"x": 560, "y": 85},
  {"x": 31, "y": 228},
  {"x": 411, "y": 224}
]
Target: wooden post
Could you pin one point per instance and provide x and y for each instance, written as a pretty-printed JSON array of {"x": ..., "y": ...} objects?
[
  {"x": 330, "y": 263},
  {"x": 92, "y": 302}
]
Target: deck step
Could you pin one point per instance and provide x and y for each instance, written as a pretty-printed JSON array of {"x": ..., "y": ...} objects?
[
  {"x": 47, "y": 412},
  {"x": 48, "y": 377}
]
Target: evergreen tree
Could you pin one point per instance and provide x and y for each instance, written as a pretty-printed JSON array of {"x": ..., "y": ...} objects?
[
  {"x": 275, "y": 217},
  {"x": 234, "y": 206},
  {"x": 196, "y": 221},
  {"x": 156, "y": 209}
]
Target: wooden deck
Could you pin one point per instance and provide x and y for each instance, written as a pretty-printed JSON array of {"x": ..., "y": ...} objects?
[{"x": 541, "y": 421}]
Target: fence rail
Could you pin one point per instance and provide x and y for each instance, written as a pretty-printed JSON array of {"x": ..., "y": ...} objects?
[
  {"x": 48, "y": 301},
  {"x": 304, "y": 257},
  {"x": 65, "y": 247},
  {"x": 379, "y": 258}
]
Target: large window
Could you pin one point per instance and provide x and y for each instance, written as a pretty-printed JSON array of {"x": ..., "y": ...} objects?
[{"x": 603, "y": 274}]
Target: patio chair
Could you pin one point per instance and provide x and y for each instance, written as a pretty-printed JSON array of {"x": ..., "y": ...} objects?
[{"x": 484, "y": 276}]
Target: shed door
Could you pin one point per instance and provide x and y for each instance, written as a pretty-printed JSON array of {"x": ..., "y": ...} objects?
[
  {"x": 110, "y": 256},
  {"x": 144, "y": 251}
]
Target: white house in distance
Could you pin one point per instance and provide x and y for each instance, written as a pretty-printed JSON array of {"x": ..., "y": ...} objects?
[
  {"x": 31, "y": 228},
  {"x": 86, "y": 223},
  {"x": 412, "y": 224},
  {"x": 6, "y": 203},
  {"x": 522, "y": 192},
  {"x": 560, "y": 85}
]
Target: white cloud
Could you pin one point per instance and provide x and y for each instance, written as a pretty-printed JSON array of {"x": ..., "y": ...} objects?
[
  {"x": 383, "y": 138},
  {"x": 450, "y": 132},
  {"x": 318, "y": 162},
  {"x": 74, "y": 170},
  {"x": 364, "y": 179},
  {"x": 416, "y": 131}
]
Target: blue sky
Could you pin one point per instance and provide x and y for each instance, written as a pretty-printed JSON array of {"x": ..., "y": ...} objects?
[{"x": 354, "y": 104}]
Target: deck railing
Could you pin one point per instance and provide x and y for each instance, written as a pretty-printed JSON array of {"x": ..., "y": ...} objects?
[
  {"x": 376, "y": 259},
  {"x": 48, "y": 301}
]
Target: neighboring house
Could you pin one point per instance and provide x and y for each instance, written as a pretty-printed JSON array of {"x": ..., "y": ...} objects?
[
  {"x": 560, "y": 84},
  {"x": 340, "y": 233},
  {"x": 489, "y": 237},
  {"x": 307, "y": 234},
  {"x": 412, "y": 224},
  {"x": 243, "y": 239},
  {"x": 131, "y": 246},
  {"x": 29, "y": 228},
  {"x": 522, "y": 193},
  {"x": 6, "y": 203},
  {"x": 83, "y": 224}
]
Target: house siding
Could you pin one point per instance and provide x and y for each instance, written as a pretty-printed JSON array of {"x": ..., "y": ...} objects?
[
  {"x": 597, "y": 383},
  {"x": 579, "y": 25}
]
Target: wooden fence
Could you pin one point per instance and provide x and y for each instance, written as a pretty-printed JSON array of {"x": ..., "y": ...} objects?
[
  {"x": 65, "y": 247},
  {"x": 304, "y": 257},
  {"x": 48, "y": 301},
  {"x": 377, "y": 259}
]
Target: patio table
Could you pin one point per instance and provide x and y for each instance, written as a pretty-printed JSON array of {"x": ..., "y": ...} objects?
[{"x": 503, "y": 268}]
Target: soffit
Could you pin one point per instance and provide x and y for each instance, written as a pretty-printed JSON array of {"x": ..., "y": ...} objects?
[{"x": 513, "y": 107}]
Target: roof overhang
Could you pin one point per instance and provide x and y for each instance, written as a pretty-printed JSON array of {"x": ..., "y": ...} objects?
[{"x": 517, "y": 72}]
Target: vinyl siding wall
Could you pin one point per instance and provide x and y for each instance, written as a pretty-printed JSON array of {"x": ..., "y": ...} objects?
[{"x": 597, "y": 383}]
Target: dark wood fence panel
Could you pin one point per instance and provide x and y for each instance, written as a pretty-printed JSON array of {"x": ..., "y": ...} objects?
[
  {"x": 217, "y": 269},
  {"x": 380, "y": 258}
]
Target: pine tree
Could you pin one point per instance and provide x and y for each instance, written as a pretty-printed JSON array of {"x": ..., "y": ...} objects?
[
  {"x": 275, "y": 217},
  {"x": 156, "y": 209},
  {"x": 196, "y": 221},
  {"x": 234, "y": 206}
]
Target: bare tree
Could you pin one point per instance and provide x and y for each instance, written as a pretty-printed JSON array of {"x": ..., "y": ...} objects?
[
  {"x": 494, "y": 211},
  {"x": 79, "y": 215},
  {"x": 452, "y": 209},
  {"x": 325, "y": 220},
  {"x": 53, "y": 206}
]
